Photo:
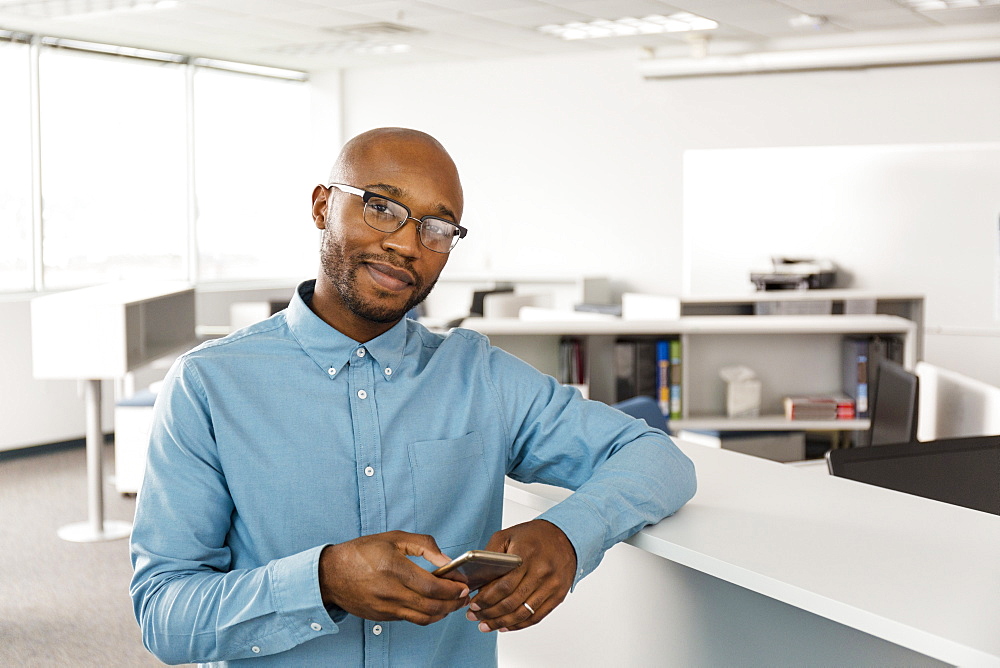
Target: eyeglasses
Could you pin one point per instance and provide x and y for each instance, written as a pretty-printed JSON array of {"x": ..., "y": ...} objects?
[{"x": 388, "y": 215}]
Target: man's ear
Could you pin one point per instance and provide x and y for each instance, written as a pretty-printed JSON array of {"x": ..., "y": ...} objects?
[{"x": 321, "y": 199}]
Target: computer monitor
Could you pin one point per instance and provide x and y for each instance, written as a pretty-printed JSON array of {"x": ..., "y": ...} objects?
[
  {"x": 961, "y": 471},
  {"x": 894, "y": 406}
]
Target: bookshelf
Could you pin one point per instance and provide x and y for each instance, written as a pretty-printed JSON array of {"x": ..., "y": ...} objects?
[{"x": 798, "y": 354}]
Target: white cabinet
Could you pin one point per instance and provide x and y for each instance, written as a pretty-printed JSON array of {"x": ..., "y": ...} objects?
[{"x": 791, "y": 355}]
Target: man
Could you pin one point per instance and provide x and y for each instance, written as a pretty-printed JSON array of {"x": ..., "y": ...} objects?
[{"x": 306, "y": 473}]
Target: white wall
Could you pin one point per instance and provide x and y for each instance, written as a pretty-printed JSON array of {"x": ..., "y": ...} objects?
[
  {"x": 575, "y": 164},
  {"x": 905, "y": 219}
]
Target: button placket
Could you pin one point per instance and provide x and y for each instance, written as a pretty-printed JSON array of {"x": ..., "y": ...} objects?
[{"x": 362, "y": 373}]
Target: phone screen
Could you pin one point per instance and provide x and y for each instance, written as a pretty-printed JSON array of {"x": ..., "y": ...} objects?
[{"x": 476, "y": 568}]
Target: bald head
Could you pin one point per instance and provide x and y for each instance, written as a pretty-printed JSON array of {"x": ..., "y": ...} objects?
[
  {"x": 371, "y": 276},
  {"x": 384, "y": 149}
]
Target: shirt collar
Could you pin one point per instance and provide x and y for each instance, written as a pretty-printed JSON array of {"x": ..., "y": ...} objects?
[{"x": 331, "y": 349}]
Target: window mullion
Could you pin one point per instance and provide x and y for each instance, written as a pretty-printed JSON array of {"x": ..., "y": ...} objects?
[{"x": 37, "y": 219}]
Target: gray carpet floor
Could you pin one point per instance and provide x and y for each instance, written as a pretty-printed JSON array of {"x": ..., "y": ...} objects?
[{"x": 62, "y": 603}]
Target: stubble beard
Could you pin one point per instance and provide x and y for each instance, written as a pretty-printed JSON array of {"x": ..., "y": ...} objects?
[{"x": 343, "y": 274}]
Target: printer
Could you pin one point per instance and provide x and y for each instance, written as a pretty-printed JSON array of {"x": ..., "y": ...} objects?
[{"x": 788, "y": 273}]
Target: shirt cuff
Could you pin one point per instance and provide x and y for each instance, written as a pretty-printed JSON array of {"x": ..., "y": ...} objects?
[
  {"x": 297, "y": 596},
  {"x": 577, "y": 521}
]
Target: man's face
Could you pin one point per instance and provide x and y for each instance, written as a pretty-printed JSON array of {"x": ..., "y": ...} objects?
[
  {"x": 376, "y": 277},
  {"x": 376, "y": 286}
]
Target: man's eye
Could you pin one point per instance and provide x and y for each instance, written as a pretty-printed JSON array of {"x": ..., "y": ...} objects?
[
  {"x": 381, "y": 208},
  {"x": 439, "y": 228}
]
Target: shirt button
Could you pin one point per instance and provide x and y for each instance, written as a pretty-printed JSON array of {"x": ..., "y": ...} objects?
[
  {"x": 332, "y": 371},
  {"x": 316, "y": 626},
  {"x": 369, "y": 471},
  {"x": 361, "y": 352},
  {"x": 255, "y": 649},
  {"x": 362, "y": 394},
  {"x": 377, "y": 629},
  {"x": 388, "y": 371}
]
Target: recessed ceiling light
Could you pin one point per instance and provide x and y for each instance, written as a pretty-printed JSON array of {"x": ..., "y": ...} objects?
[
  {"x": 629, "y": 26},
  {"x": 807, "y": 21}
]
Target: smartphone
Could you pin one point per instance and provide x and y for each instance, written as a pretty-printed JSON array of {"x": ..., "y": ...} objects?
[{"x": 475, "y": 568}]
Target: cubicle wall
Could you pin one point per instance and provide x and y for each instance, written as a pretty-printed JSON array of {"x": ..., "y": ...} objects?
[{"x": 952, "y": 405}]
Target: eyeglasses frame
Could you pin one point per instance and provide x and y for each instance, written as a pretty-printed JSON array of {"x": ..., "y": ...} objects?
[{"x": 366, "y": 195}]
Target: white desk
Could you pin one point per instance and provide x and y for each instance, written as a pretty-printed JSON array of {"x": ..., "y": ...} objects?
[
  {"x": 102, "y": 332},
  {"x": 769, "y": 565}
]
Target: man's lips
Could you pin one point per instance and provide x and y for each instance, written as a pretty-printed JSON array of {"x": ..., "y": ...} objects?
[{"x": 389, "y": 276}]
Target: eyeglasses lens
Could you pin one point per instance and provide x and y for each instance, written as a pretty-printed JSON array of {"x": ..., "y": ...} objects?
[
  {"x": 438, "y": 235},
  {"x": 383, "y": 215},
  {"x": 387, "y": 216}
]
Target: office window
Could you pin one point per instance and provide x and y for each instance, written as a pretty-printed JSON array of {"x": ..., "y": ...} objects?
[
  {"x": 114, "y": 169},
  {"x": 253, "y": 191},
  {"x": 15, "y": 169}
]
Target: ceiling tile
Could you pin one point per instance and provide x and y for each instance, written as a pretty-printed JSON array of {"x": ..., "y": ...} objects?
[
  {"x": 965, "y": 15},
  {"x": 532, "y": 17},
  {"x": 880, "y": 20},
  {"x": 475, "y": 6},
  {"x": 842, "y": 7}
]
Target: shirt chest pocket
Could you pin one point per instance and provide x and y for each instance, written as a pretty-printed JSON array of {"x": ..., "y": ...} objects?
[{"x": 451, "y": 489}]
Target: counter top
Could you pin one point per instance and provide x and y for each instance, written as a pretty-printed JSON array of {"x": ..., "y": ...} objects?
[{"x": 918, "y": 573}]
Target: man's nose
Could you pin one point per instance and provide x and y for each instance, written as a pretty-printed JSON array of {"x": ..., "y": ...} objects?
[{"x": 406, "y": 239}]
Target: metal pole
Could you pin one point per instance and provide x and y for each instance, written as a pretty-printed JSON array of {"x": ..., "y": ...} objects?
[
  {"x": 95, "y": 457},
  {"x": 95, "y": 528}
]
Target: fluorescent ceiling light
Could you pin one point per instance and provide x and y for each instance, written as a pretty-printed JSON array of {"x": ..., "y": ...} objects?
[
  {"x": 888, "y": 55},
  {"x": 629, "y": 26},
  {"x": 55, "y": 9},
  {"x": 939, "y": 5}
]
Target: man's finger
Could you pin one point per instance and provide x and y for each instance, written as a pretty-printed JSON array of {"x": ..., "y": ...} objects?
[{"x": 420, "y": 545}]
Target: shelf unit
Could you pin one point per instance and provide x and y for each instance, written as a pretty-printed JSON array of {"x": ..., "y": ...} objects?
[
  {"x": 790, "y": 354},
  {"x": 842, "y": 302}
]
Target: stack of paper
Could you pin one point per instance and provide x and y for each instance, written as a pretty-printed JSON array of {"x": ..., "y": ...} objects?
[{"x": 810, "y": 408}]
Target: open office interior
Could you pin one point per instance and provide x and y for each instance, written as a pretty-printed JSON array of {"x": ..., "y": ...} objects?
[{"x": 576, "y": 162}]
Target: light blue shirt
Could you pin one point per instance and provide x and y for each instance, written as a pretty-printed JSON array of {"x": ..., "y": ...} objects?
[{"x": 287, "y": 436}]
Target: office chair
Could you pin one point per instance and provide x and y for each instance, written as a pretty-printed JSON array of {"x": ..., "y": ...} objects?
[
  {"x": 645, "y": 408},
  {"x": 894, "y": 405}
]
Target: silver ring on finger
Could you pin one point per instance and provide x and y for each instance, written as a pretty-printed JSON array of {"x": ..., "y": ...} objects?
[{"x": 530, "y": 609}]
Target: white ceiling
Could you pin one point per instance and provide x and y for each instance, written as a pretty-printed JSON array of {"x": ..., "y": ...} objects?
[{"x": 316, "y": 34}]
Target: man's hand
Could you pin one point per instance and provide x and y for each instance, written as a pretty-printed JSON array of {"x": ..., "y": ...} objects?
[
  {"x": 542, "y": 581},
  {"x": 370, "y": 577}
]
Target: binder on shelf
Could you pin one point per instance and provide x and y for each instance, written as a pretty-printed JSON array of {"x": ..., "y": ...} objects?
[
  {"x": 676, "y": 400},
  {"x": 571, "y": 362},
  {"x": 635, "y": 368},
  {"x": 663, "y": 376},
  {"x": 861, "y": 355}
]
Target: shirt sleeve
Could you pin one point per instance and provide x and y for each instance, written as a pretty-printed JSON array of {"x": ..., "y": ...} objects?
[
  {"x": 190, "y": 604},
  {"x": 625, "y": 474}
]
